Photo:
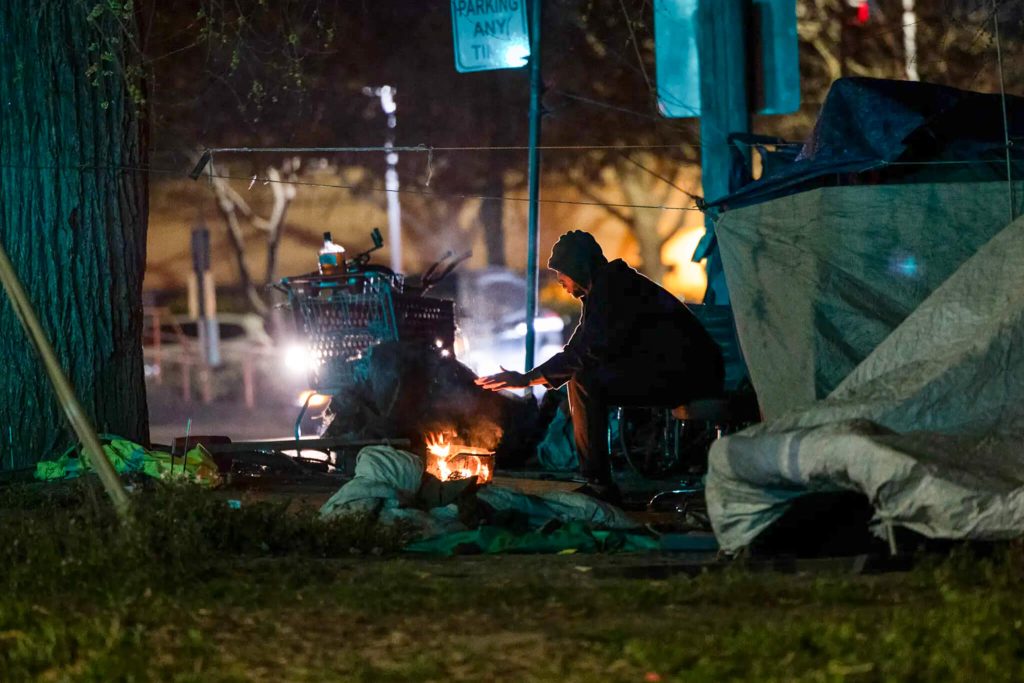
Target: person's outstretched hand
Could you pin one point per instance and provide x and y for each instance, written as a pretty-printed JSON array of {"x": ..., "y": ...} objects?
[{"x": 506, "y": 379}]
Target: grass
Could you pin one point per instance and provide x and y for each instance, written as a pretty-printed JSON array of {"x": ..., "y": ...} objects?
[{"x": 194, "y": 591}]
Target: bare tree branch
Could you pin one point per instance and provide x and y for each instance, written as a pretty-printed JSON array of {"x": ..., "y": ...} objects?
[
  {"x": 229, "y": 212},
  {"x": 233, "y": 207},
  {"x": 584, "y": 188},
  {"x": 284, "y": 193}
]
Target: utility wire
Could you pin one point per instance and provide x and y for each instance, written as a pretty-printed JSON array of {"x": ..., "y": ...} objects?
[
  {"x": 974, "y": 41},
  {"x": 306, "y": 183},
  {"x": 427, "y": 193},
  {"x": 695, "y": 198},
  {"x": 615, "y": 107},
  {"x": 430, "y": 148},
  {"x": 463, "y": 148},
  {"x": 945, "y": 46},
  {"x": 625, "y": 110},
  {"x": 943, "y": 162}
]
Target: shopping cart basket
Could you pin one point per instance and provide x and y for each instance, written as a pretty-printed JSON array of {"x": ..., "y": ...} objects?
[{"x": 342, "y": 317}]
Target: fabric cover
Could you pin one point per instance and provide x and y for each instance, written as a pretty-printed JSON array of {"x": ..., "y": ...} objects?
[
  {"x": 819, "y": 279},
  {"x": 564, "y": 506},
  {"x": 929, "y": 425},
  {"x": 557, "y": 451},
  {"x": 867, "y": 124},
  {"x": 387, "y": 481},
  {"x": 574, "y": 537},
  {"x": 384, "y": 477}
]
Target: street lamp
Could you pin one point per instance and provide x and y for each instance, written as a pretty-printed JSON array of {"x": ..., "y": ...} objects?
[{"x": 387, "y": 102}]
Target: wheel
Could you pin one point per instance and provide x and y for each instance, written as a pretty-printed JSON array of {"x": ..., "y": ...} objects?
[
  {"x": 642, "y": 442},
  {"x": 657, "y": 446}
]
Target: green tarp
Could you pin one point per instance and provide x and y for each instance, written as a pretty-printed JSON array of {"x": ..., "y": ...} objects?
[
  {"x": 820, "y": 278},
  {"x": 929, "y": 425},
  {"x": 389, "y": 484},
  {"x": 571, "y": 537}
]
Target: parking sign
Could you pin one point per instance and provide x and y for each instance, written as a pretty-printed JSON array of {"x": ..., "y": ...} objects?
[{"x": 490, "y": 34}]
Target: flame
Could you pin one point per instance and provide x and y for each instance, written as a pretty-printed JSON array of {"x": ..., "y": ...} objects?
[
  {"x": 437, "y": 445},
  {"x": 465, "y": 463}
]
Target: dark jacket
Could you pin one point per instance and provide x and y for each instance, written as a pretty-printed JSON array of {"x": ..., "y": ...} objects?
[{"x": 629, "y": 319}]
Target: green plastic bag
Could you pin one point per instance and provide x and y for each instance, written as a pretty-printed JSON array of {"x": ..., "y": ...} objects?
[{"x": 128, "y": 457}]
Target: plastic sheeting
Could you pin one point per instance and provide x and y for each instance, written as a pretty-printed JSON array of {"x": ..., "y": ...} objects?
[
  {"x": 563, "y": 506},
  {"x": 869, "y": 123},
  {"x": 388, "y": 483},
  {"x": 819, "y": 279},
  {"x": 573, "y": 537},
  {"x": 929, "y": 425},
  {"x": 128, "y": 457},
  {"x": 557, "y": 450},
  {"x": 385, "y": 483}
]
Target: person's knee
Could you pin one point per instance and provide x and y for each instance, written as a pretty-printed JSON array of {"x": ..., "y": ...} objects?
[{"x": 585, "y": 387}]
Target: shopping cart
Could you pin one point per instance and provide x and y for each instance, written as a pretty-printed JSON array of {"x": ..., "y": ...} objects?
[{"x": 342, "y": 317}]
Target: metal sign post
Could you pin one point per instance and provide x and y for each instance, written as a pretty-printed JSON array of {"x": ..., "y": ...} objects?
[
  {"x": 533, "y": 220},
  {"x": 701, "y": 50},
  {"x": 493, "y": 34}
]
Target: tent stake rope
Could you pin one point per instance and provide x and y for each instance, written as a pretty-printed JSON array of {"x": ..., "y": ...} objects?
[{"x": 1002, "y": 94}]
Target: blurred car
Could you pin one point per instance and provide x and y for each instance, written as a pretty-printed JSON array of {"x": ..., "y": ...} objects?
[
  {"x": 171, "y": 337},
  {"x": 492, "y": 322},
  {"x": 505, "y": 346}
]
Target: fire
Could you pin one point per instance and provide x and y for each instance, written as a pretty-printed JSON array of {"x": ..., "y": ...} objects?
[
  {"x": 465, "y": 462},
  {"x": 438, "y": 446}
]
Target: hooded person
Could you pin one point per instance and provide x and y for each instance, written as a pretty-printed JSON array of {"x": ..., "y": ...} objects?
[{"x": 636, "y": 345}]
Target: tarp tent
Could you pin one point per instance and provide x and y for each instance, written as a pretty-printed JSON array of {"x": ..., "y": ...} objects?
[
  {"x": 895, "y": 307},
  {"x": 826, "y": 255},
  {"x": 819, "y": 279},
  {"x": 930, "y": 427}
]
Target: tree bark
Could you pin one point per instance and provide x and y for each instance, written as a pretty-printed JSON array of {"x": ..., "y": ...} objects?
[
  {"x": 639, "y": 187},
  {"x": 73, "y": 218},
  {"x": 645, "y": 229}
]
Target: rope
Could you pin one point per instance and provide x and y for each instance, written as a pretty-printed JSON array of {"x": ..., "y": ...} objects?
[{"x": 1006, "y": 124}]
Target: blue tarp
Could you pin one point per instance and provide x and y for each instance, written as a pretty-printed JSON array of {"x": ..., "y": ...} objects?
[{"x": 868, "y": 124}]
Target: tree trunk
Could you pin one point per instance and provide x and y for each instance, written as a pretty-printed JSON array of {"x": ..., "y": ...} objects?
[
  {"x": 73, "y": 219},
  {"x": 640, "y": 187},
  {"x": 645, "y": 229}
]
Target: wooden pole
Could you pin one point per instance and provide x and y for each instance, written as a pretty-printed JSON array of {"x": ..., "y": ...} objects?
[{"x": 65, "y": 394}]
